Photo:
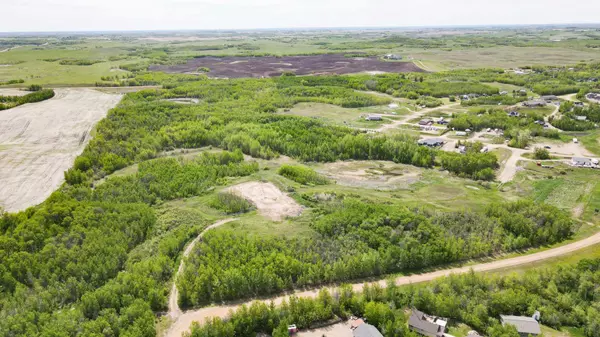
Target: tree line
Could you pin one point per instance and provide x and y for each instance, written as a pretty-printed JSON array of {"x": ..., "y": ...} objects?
[{"x": 565, "y": 295}]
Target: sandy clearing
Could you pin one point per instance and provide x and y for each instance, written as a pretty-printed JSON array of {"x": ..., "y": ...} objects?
[
  {"x": 39, "y": 141},
  {"x": 13, "y": 92},
  {"x": 380, "y": 175},
  {"x": 184, "y": 321},
  {"x": 270, "y": 201},
  {"x": 174, "y": 310},
  {"x": 342, "y": 329}
]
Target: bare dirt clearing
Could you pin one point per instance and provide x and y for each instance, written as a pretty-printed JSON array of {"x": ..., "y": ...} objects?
[
  {"x": 200, "y": 315},
  {"x": 39, "y": 141},
  {"x": 268, "y": 199},
  {"x": 268, "y": 66},
  {"x": 379, "y": 175},
  {"x": 13, "y": 92}
]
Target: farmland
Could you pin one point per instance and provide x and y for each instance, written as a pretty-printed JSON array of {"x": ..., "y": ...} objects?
[{"x": 208, "y": 171}]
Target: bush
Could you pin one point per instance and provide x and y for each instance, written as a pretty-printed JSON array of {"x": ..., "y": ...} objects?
[
  {"x": 34, "y": 87},
  {"x": 231, "y": 203},
  {"x": 302, "y": 175},
  {"x": 541, "y": 153}
]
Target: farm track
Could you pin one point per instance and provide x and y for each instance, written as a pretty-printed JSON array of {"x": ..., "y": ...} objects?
[
  {"x": 174, "y": 310},
  {"x": 182, "y": 324}
]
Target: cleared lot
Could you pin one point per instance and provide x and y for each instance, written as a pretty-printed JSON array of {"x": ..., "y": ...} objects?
[
  {"x": 268, "y": 199},
  {"x": 39, "y": 141}
]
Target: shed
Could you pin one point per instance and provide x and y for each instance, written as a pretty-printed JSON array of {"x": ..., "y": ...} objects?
[
  {"x": 581, "y": 118},
  {"x": 426, "y": 121},
  {"x": 525, "y": 325}
]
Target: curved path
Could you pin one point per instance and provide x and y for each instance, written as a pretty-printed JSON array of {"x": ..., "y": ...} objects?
[
  {"x": 174, "y": 310},
  {"x": 184, "y": 321}
]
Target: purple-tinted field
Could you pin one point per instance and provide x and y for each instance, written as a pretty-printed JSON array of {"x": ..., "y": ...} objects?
[{"x": 269, "y": 66}]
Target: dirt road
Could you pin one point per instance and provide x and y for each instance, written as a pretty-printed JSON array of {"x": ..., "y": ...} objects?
[
  {"x": 39, "y": 141},
  {"x": 174, "y": 310},
  {"x": 184, "y": 321}
]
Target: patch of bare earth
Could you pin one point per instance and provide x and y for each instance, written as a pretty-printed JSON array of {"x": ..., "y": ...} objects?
[
  {"x": 39, "y": 141},
  {"x": 13, "y": 92},
  {"x": 268, "y": 199},
  {"x": 379, "y": 175}
]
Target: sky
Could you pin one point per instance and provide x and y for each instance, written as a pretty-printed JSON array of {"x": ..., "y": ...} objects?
[{"x": 105, "y": 15}]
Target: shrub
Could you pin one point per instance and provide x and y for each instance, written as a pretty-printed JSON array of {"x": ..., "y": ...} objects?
[
  {"x": 302, "y": 175},
  {"x": 34, "y": 87},
  {"x": 231, "y": 203},
  {"x": 541, "y": 153}
]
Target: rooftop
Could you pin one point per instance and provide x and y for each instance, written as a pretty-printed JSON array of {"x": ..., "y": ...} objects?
[
  {"x": 523, "y": 324},
  {"x": 366, "y": 330}
]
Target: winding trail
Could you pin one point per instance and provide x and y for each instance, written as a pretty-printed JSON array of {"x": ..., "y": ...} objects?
[
  {"x": 182, "y": 324},
  {"x": 174, "y": 310}
]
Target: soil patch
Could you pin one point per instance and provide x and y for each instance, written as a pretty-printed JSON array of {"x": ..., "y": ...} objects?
[
  {"x": 378, "y": 175},
  {"x": 268, "y": 199},
  {"x": 39, "y": 141},
  {"x": 269, "y": 66},
  {"x": 13, "y": 92}
]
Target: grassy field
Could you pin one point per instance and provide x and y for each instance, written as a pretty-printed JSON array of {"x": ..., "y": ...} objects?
[{"x": 354, "y": 117}]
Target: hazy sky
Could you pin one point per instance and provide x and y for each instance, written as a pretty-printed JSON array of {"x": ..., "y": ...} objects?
[{"x": 70, "y": 15}]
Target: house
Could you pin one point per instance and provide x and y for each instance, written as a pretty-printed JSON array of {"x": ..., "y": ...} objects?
[
  {"x": 513, "y": 114},
  {"x": 426, "y": 121},
  {"x": 392, "y": 57},
  {"x": 549, "y": 98},
  {"x": 461, "y": 133},
  {"x": 442, "y": 121},
  {"x": 426, "y": 325},
  {"x": 579, "y": 104},
  {"x": 465, "y": 97},
  {"x": 584, "y": 162},
  {"x": 503, "y": 93},
  {"x": 431, "y": 142},
  {"x": 525, "y": 325},
  {"x": 581, "y": 118},
  {"x": 366, "y": 330},
  {"x": 534, "y": 103},
  {"x": 373, "y": 118}
]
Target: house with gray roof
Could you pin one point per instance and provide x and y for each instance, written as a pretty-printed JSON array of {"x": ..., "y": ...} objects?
[
  {"x": 525, "y": 325},
  {"x": 426, "y": 325},
  {"x": 431, "y": 142},
  {"x": 535, "y": 103},
  {"x": 366, "y": 330}
]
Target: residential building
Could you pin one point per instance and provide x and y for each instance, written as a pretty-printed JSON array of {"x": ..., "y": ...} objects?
[
  {"x": 366, "y": 330},
  {"x": 534, "y": 103},
  {"x": 549, "y": 98},
  {"x": 426, "y": 325},
  {"x": 431, "y": 142},
  {"x": 526, "y": 326},
  {"x": 584, "y": 162},
  {"x": 426, "y": 121},
  {"x": 513, "y": 114},
  {"x": 373, "y": 118}
]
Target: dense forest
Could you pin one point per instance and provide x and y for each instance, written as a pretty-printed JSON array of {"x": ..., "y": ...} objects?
[
  {"x": 356, "y": 239},
  {"x": 566, "y": 296}
]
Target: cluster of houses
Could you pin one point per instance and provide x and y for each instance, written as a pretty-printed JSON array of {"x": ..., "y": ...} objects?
[
  {"x": 430, "y": 122},
  {"x": 432, "y": 326}
]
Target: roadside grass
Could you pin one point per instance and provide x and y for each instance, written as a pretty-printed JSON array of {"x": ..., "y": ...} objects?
[{"x": 591, "y": 142}]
